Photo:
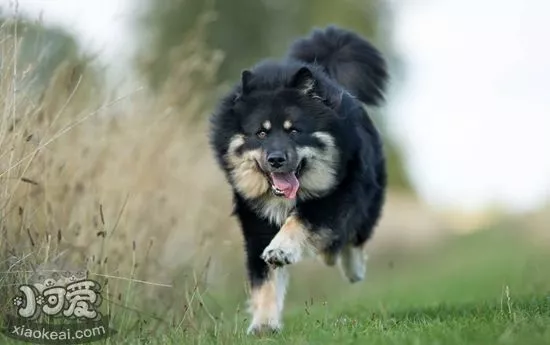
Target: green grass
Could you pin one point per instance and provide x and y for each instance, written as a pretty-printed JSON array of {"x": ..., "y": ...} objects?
[{"x": 489, "y": 288}]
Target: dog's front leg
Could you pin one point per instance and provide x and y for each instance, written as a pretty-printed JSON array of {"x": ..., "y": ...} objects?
[
  {"x": 267, "y": 301},
  {"x": 288, "y": 246}
]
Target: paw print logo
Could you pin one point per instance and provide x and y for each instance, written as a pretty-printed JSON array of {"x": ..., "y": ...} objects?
[
  {"x": 17, "y": 301},
  {"x": 40, "y": 300}
]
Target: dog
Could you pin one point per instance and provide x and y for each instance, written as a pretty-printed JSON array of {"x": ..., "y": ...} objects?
[{"x": 304, "y": 160}]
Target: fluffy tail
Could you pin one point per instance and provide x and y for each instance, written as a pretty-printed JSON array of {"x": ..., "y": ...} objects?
[{"x": 347, "y": 58}]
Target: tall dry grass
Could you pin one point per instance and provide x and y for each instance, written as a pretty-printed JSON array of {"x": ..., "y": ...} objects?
[{"x": 124, "y": 186}]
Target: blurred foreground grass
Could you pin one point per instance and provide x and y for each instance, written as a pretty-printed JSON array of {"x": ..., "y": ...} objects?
[{"x": 487, "y": 288}]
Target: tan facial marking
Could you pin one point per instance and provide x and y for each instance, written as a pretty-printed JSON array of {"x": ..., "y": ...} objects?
[
  {"x": 244, "y": 170},
  {"x": 287, "y": 124},
  {"x": 322, "y": 164},
  {"x": 266, "y": 125},
  {"x": 235, "y": 142}
]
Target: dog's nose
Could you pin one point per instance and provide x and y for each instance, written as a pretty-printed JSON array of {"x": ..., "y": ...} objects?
[{"x": 276, "y": 159}]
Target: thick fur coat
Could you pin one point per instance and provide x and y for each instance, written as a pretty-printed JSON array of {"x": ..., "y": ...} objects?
[{"x": 304, "y": 160}]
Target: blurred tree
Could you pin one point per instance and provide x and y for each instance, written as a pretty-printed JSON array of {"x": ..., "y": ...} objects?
[
  {"x": 245, "y": 30},
  {"x": 42, "y": 50},
  {"x": 249, "y": 30}
]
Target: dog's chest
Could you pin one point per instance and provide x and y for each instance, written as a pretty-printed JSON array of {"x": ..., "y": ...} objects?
[{"x": 276, "y": 209}]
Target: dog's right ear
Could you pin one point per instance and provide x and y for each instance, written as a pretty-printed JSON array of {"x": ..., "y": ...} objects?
[
  {"x": 246, "y": 76},
  {"x": 245, "y": 88}
]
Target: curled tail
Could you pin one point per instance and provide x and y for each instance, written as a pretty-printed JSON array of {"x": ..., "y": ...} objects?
[{"x": 347, "y": 58}]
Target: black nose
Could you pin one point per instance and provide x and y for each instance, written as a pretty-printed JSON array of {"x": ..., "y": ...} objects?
[{"x": 276, "y": 159}]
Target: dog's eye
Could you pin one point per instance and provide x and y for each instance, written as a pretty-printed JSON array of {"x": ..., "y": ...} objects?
[
  {"x": 261, "y": 134},
  {"x": 293, "y": 131}
]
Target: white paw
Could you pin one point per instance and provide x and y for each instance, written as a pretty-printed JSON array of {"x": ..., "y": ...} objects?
[
  {"x": 353, "y": 263},
  {"x": 263, "y": 328},
  {"x": 282, "y": 250}
]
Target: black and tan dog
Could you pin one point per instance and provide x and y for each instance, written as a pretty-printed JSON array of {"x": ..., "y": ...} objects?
[{"x": 304, "y": 160}]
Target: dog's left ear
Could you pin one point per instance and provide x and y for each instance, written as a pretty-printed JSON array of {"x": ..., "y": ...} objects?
[{"x": 304, "y": 81}]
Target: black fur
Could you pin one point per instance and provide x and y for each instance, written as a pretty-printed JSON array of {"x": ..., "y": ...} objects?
[
  {"x": 321, "y": 86},
  {"x": 348, "y": 58}
]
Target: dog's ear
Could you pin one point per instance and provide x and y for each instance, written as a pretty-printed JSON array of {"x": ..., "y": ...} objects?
[
  {"x": 246, "y": 76},
  {"x": 304, "y": 81}
]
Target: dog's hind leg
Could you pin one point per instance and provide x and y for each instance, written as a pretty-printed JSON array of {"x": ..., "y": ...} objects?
[
  {"x": 329, "y": 258},
  {"x": 353, "y": 262}
]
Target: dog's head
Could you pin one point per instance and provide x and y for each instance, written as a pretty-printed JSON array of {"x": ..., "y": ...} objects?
[{"x": 278, "y": 135}]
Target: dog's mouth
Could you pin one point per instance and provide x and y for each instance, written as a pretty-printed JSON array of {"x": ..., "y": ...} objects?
[{"x": 285, "y": 184}]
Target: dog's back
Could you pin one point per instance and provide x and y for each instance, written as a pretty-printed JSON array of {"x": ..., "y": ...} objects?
[{"x": 358, "y": 67}]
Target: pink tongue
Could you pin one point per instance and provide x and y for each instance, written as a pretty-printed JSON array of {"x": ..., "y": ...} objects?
[{"x": 287, "y": 183}]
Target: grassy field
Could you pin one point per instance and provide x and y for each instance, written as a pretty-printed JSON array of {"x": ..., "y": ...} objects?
[{"x": 487, "y": 288}]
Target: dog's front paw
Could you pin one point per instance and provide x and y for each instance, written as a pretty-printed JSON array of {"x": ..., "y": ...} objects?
[
  {"x": 263, "y": 329},
  {"x": 282, "y": 251}
]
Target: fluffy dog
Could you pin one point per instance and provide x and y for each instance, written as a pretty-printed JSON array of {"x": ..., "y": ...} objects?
[{"x": 304, "y": 160}]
